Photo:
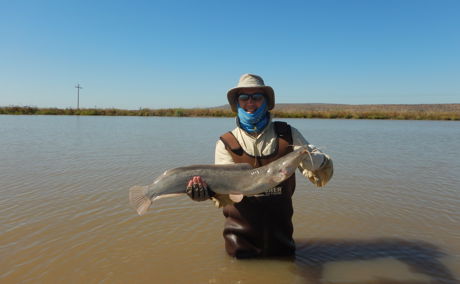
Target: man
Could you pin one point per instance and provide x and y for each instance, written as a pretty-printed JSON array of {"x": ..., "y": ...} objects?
[{"x": 260, "y": 225}]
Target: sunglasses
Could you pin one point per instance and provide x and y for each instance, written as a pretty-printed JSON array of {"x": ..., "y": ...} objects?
[{"x": 254, "y": 97}]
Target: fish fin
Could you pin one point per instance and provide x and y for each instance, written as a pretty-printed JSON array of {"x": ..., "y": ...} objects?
[
  {"x": 236, "y": 197},
  {"x": 168, "y": 195},
  {"x": 139, "y": 199}
]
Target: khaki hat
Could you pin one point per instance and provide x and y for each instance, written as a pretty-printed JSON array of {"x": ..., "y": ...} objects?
[{"x": 251, "y": 81}]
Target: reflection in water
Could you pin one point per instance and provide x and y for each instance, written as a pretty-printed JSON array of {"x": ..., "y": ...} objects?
[{"x": 313, "y": 256}]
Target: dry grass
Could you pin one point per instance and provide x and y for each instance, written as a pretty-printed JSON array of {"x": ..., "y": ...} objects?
[{"x": 330, "y": 111}]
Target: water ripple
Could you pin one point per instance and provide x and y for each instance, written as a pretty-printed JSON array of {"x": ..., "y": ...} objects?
[{"x": 64, "y": 212}]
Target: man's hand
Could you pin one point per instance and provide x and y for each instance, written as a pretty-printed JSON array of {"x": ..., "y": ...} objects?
[
  {"x": 198, "y": 190},
  {"x": 321, "y": 176}
]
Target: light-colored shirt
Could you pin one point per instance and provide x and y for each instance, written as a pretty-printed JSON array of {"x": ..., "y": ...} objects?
[{"x": 265, "y": 143}]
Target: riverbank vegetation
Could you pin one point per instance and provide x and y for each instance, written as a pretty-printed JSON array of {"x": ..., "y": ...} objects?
[{"x": 328, "y": 111}]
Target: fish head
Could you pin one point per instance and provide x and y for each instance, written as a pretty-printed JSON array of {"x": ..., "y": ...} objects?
[{"x": 287, "y": 165}]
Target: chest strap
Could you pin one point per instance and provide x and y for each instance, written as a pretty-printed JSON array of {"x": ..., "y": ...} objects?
[{"x": 282, "y": 130}]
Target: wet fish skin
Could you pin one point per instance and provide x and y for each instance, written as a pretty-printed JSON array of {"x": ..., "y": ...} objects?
[{"x": 235, "y": 180}]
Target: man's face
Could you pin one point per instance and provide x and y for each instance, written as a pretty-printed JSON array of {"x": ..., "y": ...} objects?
[{"x": 250, "y": 103}]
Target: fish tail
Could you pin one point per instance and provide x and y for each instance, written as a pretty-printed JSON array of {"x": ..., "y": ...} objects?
[{"x": 139, "y": 199}]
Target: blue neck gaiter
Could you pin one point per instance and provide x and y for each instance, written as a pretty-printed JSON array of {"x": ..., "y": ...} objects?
[{"x": 253, "y": 122}]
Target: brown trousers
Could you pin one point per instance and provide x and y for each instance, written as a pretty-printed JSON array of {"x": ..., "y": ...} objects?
[{"x": 261, "y": 225}]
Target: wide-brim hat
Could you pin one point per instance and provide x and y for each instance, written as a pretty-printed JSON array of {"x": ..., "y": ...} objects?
[{"x": 251, "y": 81}]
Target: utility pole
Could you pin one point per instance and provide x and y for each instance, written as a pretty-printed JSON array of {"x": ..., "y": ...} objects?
[{"x": 78, "y": 94}]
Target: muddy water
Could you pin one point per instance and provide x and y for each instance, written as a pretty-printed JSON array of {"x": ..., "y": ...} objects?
[{"x": 390, "y": 214}]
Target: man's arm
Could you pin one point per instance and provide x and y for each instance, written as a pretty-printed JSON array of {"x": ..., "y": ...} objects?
[
  {"x": 198, "y": 190},
  {"x": 318, "y": 167},
  {"x": 222, "y": 156}
]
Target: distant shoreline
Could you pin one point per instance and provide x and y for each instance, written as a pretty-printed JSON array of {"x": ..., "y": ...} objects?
[{"x": 326, "y": 111}]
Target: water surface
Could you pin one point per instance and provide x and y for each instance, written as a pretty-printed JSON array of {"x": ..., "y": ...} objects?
[{"x": 389, "y": 215}]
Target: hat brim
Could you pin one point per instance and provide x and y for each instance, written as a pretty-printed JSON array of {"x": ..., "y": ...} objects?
[{"x": 268, "y": 91}]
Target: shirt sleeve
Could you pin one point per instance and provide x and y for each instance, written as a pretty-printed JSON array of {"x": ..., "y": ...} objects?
[
  {"x": 316, "y": 157},
  {"x": 222, "y": 156},
  {"x": 317, "y": 167}
]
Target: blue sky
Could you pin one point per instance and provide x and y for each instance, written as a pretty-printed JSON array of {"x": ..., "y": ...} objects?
[{"x": 156, "y": 54}]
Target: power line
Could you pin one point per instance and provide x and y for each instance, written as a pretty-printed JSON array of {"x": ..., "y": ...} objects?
[{"x": 78, "y": 94}]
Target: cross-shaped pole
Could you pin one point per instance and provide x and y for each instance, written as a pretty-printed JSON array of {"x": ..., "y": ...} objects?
[{"x": 78, "y": 94}]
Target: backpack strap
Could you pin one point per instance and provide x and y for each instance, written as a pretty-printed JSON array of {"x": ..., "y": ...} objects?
[
  {"x": 230, "y": 142},
  {"x": 283, "y": 130}
]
